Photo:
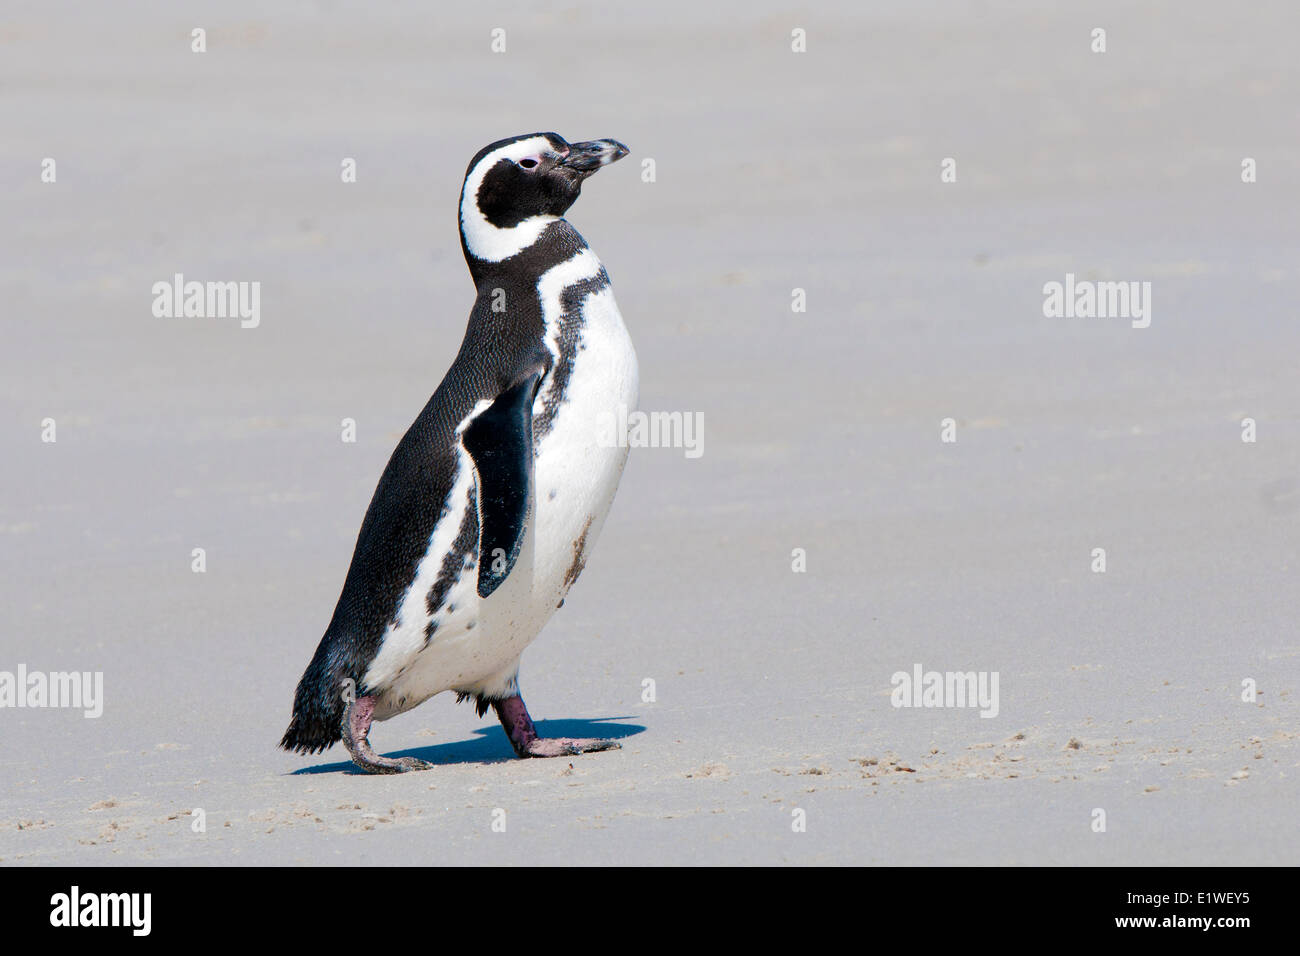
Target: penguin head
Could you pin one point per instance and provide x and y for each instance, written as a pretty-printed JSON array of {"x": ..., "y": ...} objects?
[{"x": 516, "y": 187}]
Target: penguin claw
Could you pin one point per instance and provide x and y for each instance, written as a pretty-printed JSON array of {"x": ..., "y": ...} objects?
[
  {"x": 523, "y": 735},
  {"x": 378, "y": 764},
  {"x": 567, "y": 746},
  {"x": 358, "y": 712}
]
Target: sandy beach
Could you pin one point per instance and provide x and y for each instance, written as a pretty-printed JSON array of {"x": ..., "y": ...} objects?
[{"x": 826, "y": 538}]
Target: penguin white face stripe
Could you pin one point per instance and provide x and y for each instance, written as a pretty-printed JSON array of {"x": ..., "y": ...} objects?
[{"x": 493, "y": 243}]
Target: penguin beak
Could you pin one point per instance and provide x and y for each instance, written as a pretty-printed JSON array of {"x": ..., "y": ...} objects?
[{"x": 588, "y": 157}]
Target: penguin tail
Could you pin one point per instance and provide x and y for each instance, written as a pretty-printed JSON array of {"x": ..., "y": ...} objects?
[
  {"x": 306, "y": 736},
  {"x": 317, "y": 706},
  {"x": 481, "y": 703}
]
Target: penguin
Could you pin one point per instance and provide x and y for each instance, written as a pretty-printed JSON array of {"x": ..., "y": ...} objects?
[{"x": 489, "y": 506}]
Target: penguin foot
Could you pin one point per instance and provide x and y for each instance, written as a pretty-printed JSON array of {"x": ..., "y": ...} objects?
[
  {"x": 523, "y": 735},
  {"x": 357, "y": 717},
  {"x": 566, "y": 746}
]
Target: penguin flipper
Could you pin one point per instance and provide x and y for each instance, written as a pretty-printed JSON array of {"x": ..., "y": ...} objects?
[{"x": 500, "y": 441}]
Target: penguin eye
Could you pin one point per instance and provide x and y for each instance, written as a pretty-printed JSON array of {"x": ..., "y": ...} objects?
[{"x": 528, "y": 163}]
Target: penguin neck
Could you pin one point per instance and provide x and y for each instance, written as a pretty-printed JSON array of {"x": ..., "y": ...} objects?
[{"x": 559, "y": 242}]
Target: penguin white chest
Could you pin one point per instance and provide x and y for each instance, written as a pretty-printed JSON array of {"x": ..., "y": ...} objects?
[
  {"x": 577, "y": 462},
  {"x": 578, "y": 459},
  {"x": 474, "y": 644}
]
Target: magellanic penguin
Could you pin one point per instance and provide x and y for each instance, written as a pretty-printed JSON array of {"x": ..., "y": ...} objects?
[{"x": 492, "y": 500}]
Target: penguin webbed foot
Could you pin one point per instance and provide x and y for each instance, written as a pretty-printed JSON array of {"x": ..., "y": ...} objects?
[
  {"x": 519, "y": 728},
  {"x": 357, "y": 717},
  {"x": 566, "y": 746}
]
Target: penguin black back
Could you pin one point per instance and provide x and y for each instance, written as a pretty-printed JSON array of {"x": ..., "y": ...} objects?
[{"x": 407, "y": 504}]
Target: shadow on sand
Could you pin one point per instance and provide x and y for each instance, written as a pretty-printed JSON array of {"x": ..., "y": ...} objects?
[{"x": 490, "y": 744}]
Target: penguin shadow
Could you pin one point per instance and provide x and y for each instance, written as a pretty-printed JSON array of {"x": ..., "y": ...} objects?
[{"x": 490, "y": 744}]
